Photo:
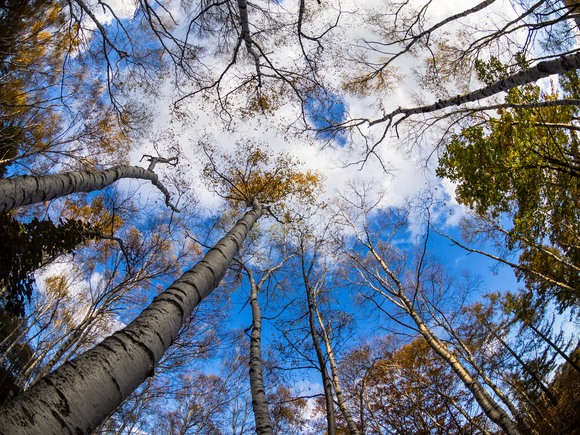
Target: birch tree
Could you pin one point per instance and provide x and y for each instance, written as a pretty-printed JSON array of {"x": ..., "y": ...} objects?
[
  {"x": 259, "y": 398},
  {"x": 81, "y": 393},
  {"x": 20, "y": 191},
  {"x": 249, "y": 176},
  {"x": 312, "y": 251},
  {"x": 383, "y": 271}
]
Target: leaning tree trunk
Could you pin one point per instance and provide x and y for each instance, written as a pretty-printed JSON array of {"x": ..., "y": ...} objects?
[
  {"x": 19, "y": 191},
  {"x": 537, "y": 72},
  {"x": 574, "y": 8},
  {"x": 83, "y": 392},
  {"x": 488, "y": 405},
  {"x": 259, "y": 399}
]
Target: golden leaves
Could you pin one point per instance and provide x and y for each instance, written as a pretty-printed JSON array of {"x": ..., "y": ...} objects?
[
  {"x": 254, "y": 173},
  {"x": 96, "y": 214}
]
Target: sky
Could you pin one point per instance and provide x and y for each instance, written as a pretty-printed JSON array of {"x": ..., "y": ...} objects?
[
  {"x": 402, "y": 168},
  {"x": 339, "y": 162},
  {"x": 405, "y": 169}
]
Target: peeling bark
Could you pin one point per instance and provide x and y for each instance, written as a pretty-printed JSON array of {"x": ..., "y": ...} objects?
[
  {"x": 80, "y": 394},
  {"x": 19, "y": 191}
]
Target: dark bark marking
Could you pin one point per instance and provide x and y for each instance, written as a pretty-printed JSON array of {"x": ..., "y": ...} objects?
[
  {"x": 165, "y": 345},
  {"x": 74, "y": 365},
  {"x": 171, "y": 301},
  {"x": 219, "y": 249},
  {"x": 117, "y": 386},
  {"x": 146, "y": 349},
  {"x": 176, "y": 292},
  {"x": 109, "y": 348},
  {"x": 58, "y": 418},
  {"x": 205, "y": 264},
  {"x": 62, "y": 407},
  {"x": 193, "y": 286},
  {"x": 118, "y": 340},
  {"x": 28, "y": 415}
]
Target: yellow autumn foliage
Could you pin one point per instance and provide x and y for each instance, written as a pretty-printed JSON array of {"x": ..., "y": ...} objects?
[{"x": 255, "y": 174}]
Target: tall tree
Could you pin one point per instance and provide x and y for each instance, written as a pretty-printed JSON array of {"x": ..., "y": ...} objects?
[
  {"x": 109, "y": 372},
  {"x": 523, "y": 166},
  {"x": 313, "y": 251},
  {"x": 239, "y": 181},
  {"x": 382, "y": 268}
]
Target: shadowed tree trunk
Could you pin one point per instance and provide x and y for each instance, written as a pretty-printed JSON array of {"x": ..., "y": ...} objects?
[
  {"x": 326, "y": 380},
  {"x": 259, "y": 398},
  {"x": 19, "y": 191},
  {"x": 83, "y": 392}
]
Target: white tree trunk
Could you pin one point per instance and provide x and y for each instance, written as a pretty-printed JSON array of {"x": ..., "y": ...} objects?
[
  {"x": 19, "y": 191},
  {"x": 326, "y": 380},
  {"x": 539, "y": 71},
  {"x": 259, "y": 400},
  {"x": 489, "y": 406},
  {"x": 351, "y": 425},
  {"x": 83, "y": 392}
]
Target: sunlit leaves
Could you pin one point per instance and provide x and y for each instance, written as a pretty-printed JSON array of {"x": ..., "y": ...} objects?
[
  {"x": 524, "y": 165},
  {"x": 253, "y": 173},
  {"x": 408, "y": 389},
  {"x": 51, "y": 100}
]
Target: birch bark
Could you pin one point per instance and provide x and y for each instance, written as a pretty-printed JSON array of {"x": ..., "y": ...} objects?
[
  {"x": 83, "y": 392},
  {"x": 326, "y": 380},
  {"x": 489, "y": 406},
  {"x": 19, "y": 191},
  {"x": 334, "y": 372},
  {"x": 259, "y": 400},
  {"x": 539, "y": 71}
]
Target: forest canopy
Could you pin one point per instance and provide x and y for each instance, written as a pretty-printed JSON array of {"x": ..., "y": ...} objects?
[{"x": 291, "y": 217}]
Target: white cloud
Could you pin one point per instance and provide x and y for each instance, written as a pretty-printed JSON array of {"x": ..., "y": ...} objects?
[{"x": 407, "y": 177}]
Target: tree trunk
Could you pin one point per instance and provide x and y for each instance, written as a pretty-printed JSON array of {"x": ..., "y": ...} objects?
[
  {"x": 326, "y": 381},
  {"x": 553, "y": 345},
  {"x": 485, "y": 401},
  {"x": 334, "y": 372},
  {"x": 83, "y": 392},
  {"x": 19, "y": 191},
  {"x": 574, "y": 8},
  {"x": 488, "y": 405},
  {"x": 539, "y": 71},
  {"x": 259, "y": 400}
]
